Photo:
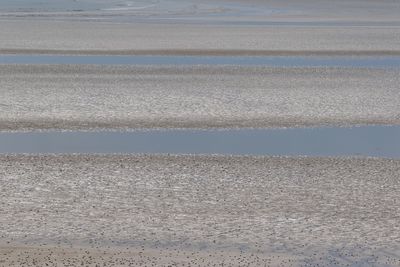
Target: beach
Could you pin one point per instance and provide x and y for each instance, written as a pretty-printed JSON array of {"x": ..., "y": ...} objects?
[
  {"x": 334, "y": 64},
  {"x": 311, "y": 210},
  {"x": 78, "y": 96},
  {"x": 87, "y": 37}
]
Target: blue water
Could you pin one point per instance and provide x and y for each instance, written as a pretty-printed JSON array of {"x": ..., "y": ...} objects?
[
  {"x": 272, "y": 61},
  {"x": 376, "y": 141}
]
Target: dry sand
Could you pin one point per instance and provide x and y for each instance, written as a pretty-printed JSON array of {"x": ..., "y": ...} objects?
[
  {"x": 81, "y": 97},
  {"x": 186, "y": 208}
]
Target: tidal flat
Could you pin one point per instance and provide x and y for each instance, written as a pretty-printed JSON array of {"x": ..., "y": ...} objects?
[
  {"x": 109, "y": 96},
  {"x": 199, "y": 209}
]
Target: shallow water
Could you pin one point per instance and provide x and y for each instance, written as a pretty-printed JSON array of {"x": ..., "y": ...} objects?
[
  {"x": 376, "y": 141},
  {"x": 178, "y": 7},
  {"x": 56, "y": 5},
  {"x": 273, "y": 61}
]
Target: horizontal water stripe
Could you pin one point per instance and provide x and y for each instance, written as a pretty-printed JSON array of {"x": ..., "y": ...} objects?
[
  {"x": 272, "y": 61},
  {"x": 376, "y": 141}
]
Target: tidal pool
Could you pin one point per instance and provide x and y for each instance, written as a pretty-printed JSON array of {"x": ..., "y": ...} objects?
[
  {"x": 271, "y": 61},
  {"x": 374, "y": 141}
]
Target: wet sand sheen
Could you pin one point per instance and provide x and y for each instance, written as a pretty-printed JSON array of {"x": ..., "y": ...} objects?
[
  {"x": 309, "y": 210},
  {"x": 182, "y": 39},
  {"x": 78, "y": 96},
  {"x": 198, "y": 210}
]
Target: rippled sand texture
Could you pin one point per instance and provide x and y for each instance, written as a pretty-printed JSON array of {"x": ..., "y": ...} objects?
[
  {"x": 216, "y": 11},
  {"x": 186, "y": 210},
  {"x": 308, "y": 210},
  {"x": 199, "y": 27},
  {"x": 180, "y": 39},
  {"x": 71, "y": 97}
]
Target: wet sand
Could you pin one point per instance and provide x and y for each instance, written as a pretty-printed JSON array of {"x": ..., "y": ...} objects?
[
  {"x": 62, "y": 256},
  {"x": 257, "y": 209},
  {"x": 82, "y": 97},
  {"x": 84, "y": 256},
  {"x": 198, "y": 210},
  {"x": 201, "y": 27},
  {"x": 147, "y": 38},
  {"x": 214, "y": 11}
]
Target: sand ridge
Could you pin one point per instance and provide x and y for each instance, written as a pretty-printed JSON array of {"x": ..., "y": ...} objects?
[
  {"x": 329, "y": 207},
  {"x": 86, "y": 37},
  {"x": 166, "y": 210},
  {"x": 78, "y": 96}
]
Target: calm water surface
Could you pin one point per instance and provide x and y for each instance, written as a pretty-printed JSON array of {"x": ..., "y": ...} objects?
[
  {"x": 376, "y": 141},
  {"x": 272, "y": 61}
]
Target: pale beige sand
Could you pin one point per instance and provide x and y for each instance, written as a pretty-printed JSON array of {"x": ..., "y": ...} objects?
[
  {"x": 145, "y": 38},
  {"x": 200, "y": 210},
  {"x": 83, "y": 256},
  {"x": 65, "y": 256},
  {"x": 309, "y": 210},
  {"x": 82, "y": 97}
]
